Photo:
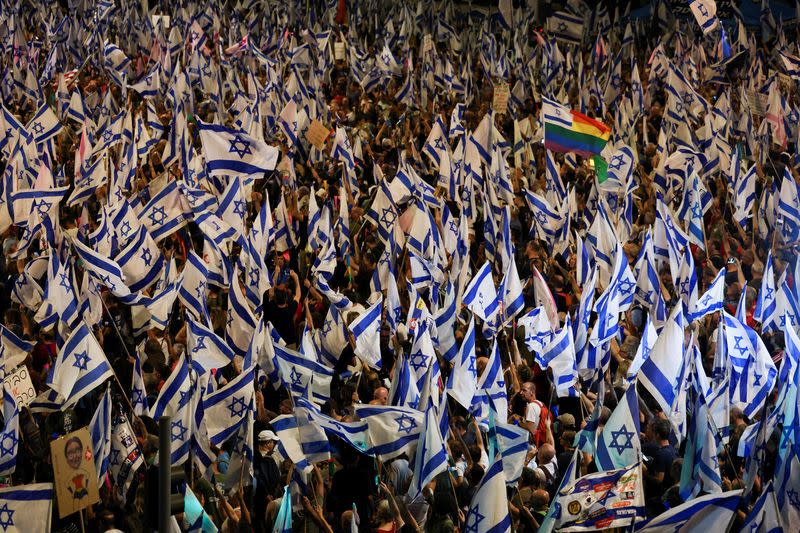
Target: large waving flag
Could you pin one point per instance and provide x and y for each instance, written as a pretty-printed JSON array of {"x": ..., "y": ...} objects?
[
  {"x": 26, "y": 508},
  {"x": 764, "y": 516},
  {"x": 711, "y": 300},
  {"x": 175, "y": 400},
  {"x": 231, "y": 152},
  {"x": 392, "y": 431},
  {"x": 480, "y": 296},
  {"x": 207, "y": 350},
  {"x": 711, "y": 512},
  {"x": 463, "y": 380},
  {"x": 569, "y": 131},
  {"x": 80, "y": 367},
  {"x": 225, "y": 409}
]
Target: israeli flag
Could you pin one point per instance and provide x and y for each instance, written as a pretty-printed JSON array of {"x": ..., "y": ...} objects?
[
  {"x": 711, "y": 512},
  {"x": 766, "y": 304},
  {"x": 225, "y": 409},
  {"x": 393, "y": 430},
  {"x": 488, "y": 510},
  {"x": 712, "y": 299},
  {"x": 618, "y": 445},
  {"x": 25, "y": 508},
  {"x": 80, "y": 366},
  {"x": 480, "y": 296},
  {"x": 206, "y": 349},
  {"x": 100, "y": 430},
  {"x": 175, "y": 400},
  {"x": 431, "y": 458},
  {"x": 367, "y": 331},
  {"x": 463, "y": 380},
  {"x": 9, "y": 437},
  {"x": 661, "y": 372},
  {"x": 230, "y": 152}
]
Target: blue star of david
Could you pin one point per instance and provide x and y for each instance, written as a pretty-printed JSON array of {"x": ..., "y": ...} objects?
[
  {"x": 185, "y": 397},
  {"x": 626, "y": 286},
  {"x": 136, "y": 396},
  {"x": 616, "y": 81},
  {"x": 327, "y": 327},
  {"x": 607, "y": 496},
  {"x": 180, "y": 434},
  {"x": 616, "y": 162},
  {"x": 757, "y": 379},
  {"x": 696, "y": 210},
  {"x": 42, "y": 206},
  {"x": 471, "y": 366},
  {"x": 439, "y": 143},
  {"x": 158, "y": 215},
  {"x": 37, "y": 128},
  {"x": 296, "y": 377},
  {"x": 253, "y": 274},
  {"x": 769, "y": 291},
  {"x": 107, "y": 282},
  {"x": 541, "y": 217},
  {"x": 217, "y": 226},
  {"x": 736, "y": 346},
  {"x": 418, "y": 361},
  {"x": 230, "y": 319},
  {"x": 705, "y": 300},
  {"x": 8, "y": 444},
  {"x": 237, "y": 407},
  {"x": 146, "y": 256},
  {"x": 64, "y": 281},
  {"x": 6, "y": 517},
  {"x": 239, "y": 207},
  {"x": 620, "y": 446},
  {"x": 561, "y": 27},
  {"x": 239, "y": 146},
  {"x": 81, "y": 361},
  {"x": 199, "y": 344},
  {"x": 784, "y": 317},
  {"x": 685, "y": 286},
  {"x": 636, "y": 87},
  {"x": 405, "y": 423},
  {"x": 388, "y": 216},
  {"x": 194, "y": 35},
  {"x": 688, "y": 98},
  {"x": 200, "y": 290},
  {"x": 474, "y": 517},
  {"x": 678, "y": 106}
]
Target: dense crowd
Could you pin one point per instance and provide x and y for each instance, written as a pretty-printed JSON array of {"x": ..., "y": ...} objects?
[{"x": 497, "y": 264}]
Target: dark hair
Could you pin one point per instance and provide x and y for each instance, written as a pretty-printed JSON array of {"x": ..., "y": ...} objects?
[{"x": 662, "y": 428}]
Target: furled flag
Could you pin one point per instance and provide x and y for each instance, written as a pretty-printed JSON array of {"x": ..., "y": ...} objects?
[
  {"x": 80, "y": 367},
  {"x": 618, "y": 445},
  {"x": 569, "y": 131},
  {"x": 430, "y": 458},
  {"x": 26, "y": 508},
  {"x": 100, "y": 430},
  {"x": 126, "y": 457},
  {"x": 9, "y": 437},
  {"x": 766, "y": 304},
  {"x": 463, "y": 380},
  {"x": 366, "y": 329},
  {"x": 283, "y": 522}
]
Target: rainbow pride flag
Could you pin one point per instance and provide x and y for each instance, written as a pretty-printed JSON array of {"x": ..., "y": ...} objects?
[{"x": 569, "y": 131}]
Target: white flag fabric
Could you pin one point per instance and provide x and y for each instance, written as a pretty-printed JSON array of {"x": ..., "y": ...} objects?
[{"x": 26, "y": 508}]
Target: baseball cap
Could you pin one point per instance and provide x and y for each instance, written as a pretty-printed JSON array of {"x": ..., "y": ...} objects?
[
  {"x": 566, "y": 420},
  {"x": 267, "y": 435}
]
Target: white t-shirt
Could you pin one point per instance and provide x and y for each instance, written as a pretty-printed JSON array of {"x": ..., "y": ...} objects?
[{"x": 533, "y": 413}]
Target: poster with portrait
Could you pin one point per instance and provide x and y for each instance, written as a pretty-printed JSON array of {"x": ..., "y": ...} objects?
[{"x": 74, "y": 471}]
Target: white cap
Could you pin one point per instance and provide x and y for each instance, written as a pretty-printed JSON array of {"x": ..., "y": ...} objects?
[{"x": 267, "y": 435}]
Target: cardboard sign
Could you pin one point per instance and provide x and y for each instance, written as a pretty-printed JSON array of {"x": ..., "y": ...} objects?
[
  {"x": 427, "y": 43},
  {"x": 758, "y": 102},
  {"x": 18, "y": 383},
  {"x": 74, "y": 472},
  {"x": 338, "y": 51},
  {"x": 317, "y": 133},
  {"x": 500, "y": 101}
]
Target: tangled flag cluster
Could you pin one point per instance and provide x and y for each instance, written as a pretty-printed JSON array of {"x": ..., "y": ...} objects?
[{"x": 398, "y": 265}]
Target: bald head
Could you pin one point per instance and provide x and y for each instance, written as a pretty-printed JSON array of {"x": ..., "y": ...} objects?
[
  {"x": 546, "y": 454},
  {"x": 540, "y": 500},
  {"x": 380, "y": 396}
]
